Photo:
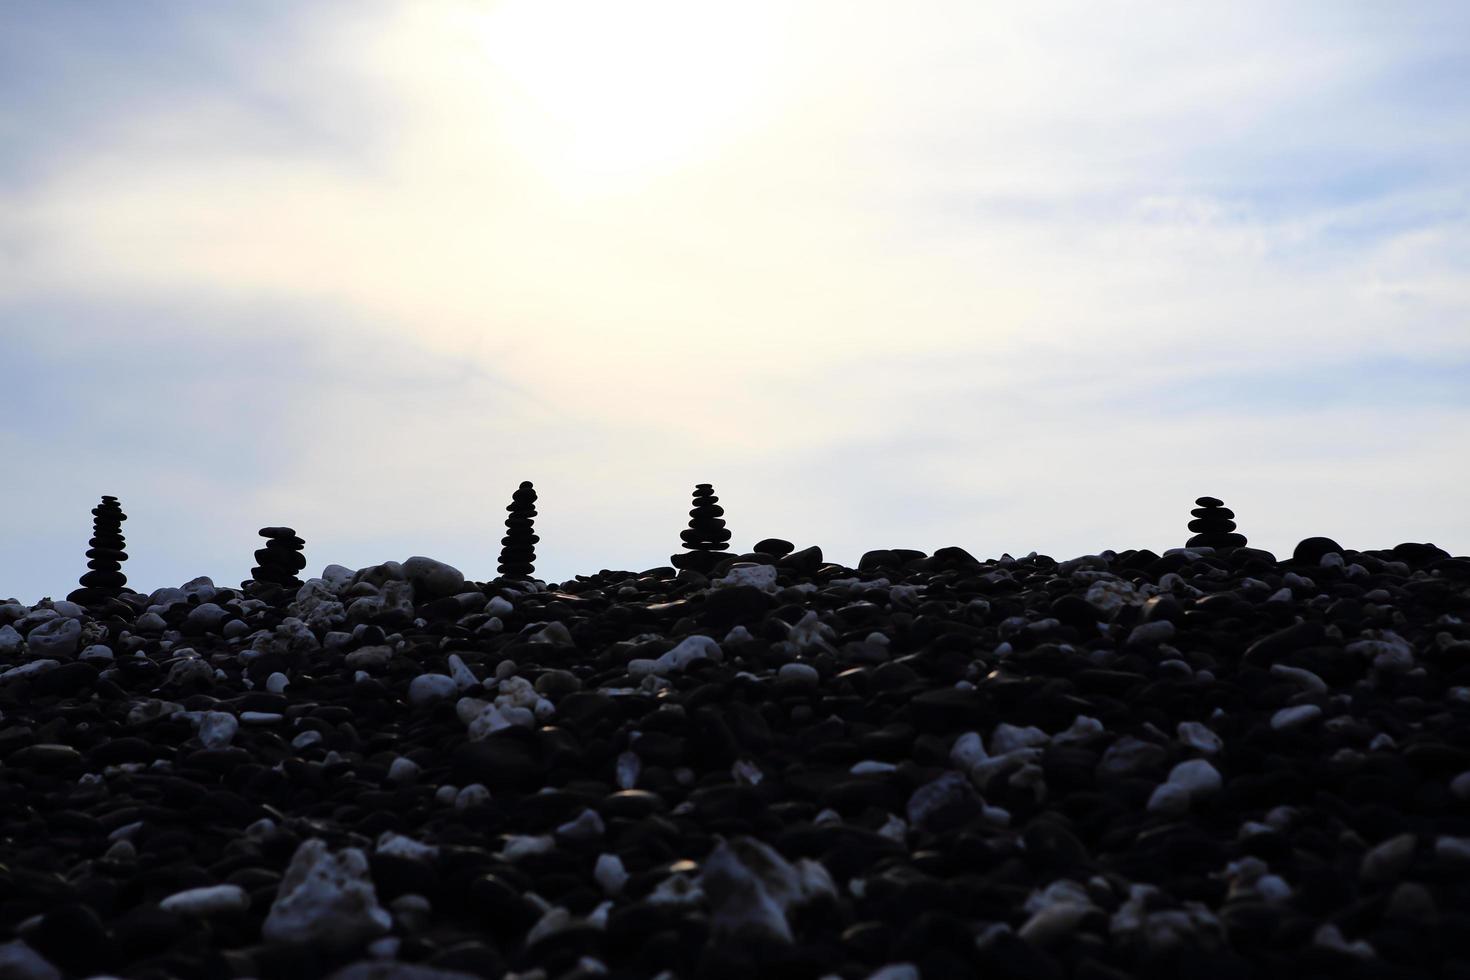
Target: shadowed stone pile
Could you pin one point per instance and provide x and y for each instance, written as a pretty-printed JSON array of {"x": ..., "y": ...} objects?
[
  {"x": 106, "y": 554},
  {"x": 1213, "y": 525},
  {"x": 706, "y": 535},
  {"x": 518, "y": 547},
  {"x": 280, "y": 560}
]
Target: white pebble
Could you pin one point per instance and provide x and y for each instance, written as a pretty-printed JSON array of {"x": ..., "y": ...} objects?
[
  {"x": 217, "y": 728},
  {"x": 1169, "y": 799},
  {"x": 306, "y": 739},
  {"x": 610, "y": 873},
  {"x": 1297, "y": 716},
  {"x": 210, "y": 900},
  {"x": 277, "y": 682},
  {"x": 261, "y": 717},
  {"x": 1197, "y": 776},
  {"x": 403, "y": 770},
  {"x": 445, "y": 795},
  {"x": 428, "y": 688},
  {"x": 803, "y": 675},
  {"x": 872, "y": 767},
  {"x": 475, "y": 794},
  {"x": 1199, "y": 737}
]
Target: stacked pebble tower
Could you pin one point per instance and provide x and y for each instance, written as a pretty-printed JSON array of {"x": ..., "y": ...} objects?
[
  {"x": 1213, "y": 525},
  {"x": 280, "y": 559},
  {"x": 106, "y": 554},
  {"x": 706, "y": 535},
  {"x": 518, "y": 547}
]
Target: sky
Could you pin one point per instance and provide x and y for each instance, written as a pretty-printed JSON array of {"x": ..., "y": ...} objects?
[{"x": 1011, "y": 277}]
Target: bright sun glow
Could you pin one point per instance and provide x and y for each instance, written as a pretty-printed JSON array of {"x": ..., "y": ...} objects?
[{"x": 603, "y": 93}]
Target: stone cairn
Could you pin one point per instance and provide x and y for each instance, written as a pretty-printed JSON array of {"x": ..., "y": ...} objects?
[
  {"x": 106, "y": 579},
  {"x": 518, "y": 547},
  {"x": 1213, "y": 525},
  {"x": 706, "y": 536},
  {"x": 280, "y": 559}
]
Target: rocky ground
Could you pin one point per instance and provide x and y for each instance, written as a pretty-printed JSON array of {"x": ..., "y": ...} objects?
[{"x": 1203, "y": 764}]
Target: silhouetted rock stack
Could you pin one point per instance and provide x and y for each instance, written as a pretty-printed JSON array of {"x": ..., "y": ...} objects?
[
  {"x": 280, "y": 559},
  {"x": 1213, "y": 526},
  {"x": 518, "y": 547},
  {"x": 106, "y": 579},
  {"x": 706, "y": 535}
]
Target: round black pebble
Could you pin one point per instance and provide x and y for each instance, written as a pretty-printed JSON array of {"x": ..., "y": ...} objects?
[
  {"x": 1309, "y": 551},
  {"x": 706, "y": 535},
  {"x": 518, "y": 547},
  {"x": 1213, "y": 525}
]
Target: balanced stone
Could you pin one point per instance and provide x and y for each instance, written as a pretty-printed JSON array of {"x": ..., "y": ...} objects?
[
  {"x": 706, "y": 535},
  {"x": 281, "y": 558},
  {"x": 518, "y": 547},
  {"x": 1213, "y": 525},
  {"x": 106, "y": 554}
]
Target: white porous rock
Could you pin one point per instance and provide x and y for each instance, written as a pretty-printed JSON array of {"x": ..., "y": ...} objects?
[
  {"x": 967, "y": 752},
  {"x": 1008, "y": 738},
  {"x": 1199, "y": 737},
  {"x": 428, "y": 688},
  {"x": 433, "y": 579},
  {"x": 207, "y": 901},
  {"x": 464, "y": 678},
  {"x": 610, "y": 874},
  {"x": 28, "y": 670},
  {"x": 810, "y": 633},
  {"x": 217, "y": 729},
  {"x": 751, "y": 887},
  {"x": 803, "y": 675},
  {"x": 18, "y": 961},
  {"x": 326, "y": 899},
  {"x": 1110, "y": 594},
  {"x": 1294, "y": 717},
  {"x": 56, "y": 639},
  {"x": 761, "y": 577},
  {"x": 1389, "y": 860},
  {"x": 399, "y": 845}
]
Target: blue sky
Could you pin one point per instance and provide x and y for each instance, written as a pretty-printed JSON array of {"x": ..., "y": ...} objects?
[{"x": 887, "y": 275}]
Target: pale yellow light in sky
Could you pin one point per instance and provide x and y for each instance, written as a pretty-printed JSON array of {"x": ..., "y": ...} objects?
[{"x": 601, "y": 95}]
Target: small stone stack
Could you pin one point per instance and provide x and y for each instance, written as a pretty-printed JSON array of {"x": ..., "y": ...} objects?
[
  {"x": 106, "y": 579},
  {"x": 706, "y": 535},
  {"x": 518, "y": 547},
  {"x": 280, "y": 559},
  {"x": 1213, "y": 525}
]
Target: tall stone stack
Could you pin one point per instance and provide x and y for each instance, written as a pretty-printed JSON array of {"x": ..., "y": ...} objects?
[
  {"x": 518, "y": 547},
  {"x": 105, "y": 580},
  {"x": 706, "y": 535},
  {"x": 279, "y": 561},
  {"x": 1214, "y": 525}
]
